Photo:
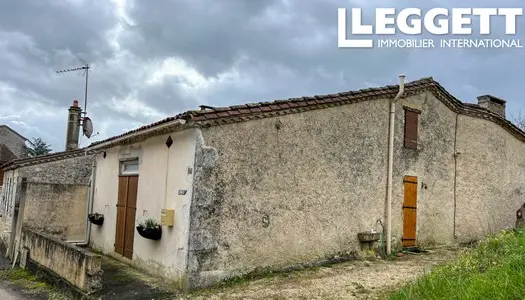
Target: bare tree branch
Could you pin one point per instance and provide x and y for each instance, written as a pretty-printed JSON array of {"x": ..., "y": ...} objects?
[{"x": 519, "y": 120}]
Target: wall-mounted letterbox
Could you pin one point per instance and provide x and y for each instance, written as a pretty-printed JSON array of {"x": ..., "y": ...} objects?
[{"x": 167, "y": 217}]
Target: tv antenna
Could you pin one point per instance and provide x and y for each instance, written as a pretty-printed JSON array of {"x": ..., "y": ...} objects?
[
  {"x": 85, "y": 69},
  {"x": 87, "y": 124}
]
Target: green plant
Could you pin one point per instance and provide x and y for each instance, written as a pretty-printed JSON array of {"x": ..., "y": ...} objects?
[
  {"x": 38, "y": 147},
  {"x": 150, "y": 229},
  {"x": 494, "y": 269},
  {"x": 149, "y": 223}
]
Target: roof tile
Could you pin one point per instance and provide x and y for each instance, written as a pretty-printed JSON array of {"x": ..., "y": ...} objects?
[
  {"x": 223, "y": 114},
  {"x": 285, "y": 106},
  {"x": 210, "y": 116}
]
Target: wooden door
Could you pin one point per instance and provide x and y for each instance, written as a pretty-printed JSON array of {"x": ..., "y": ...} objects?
[
  {"x": 126, "y": 208},
  {"x": 410, "y": 211}
]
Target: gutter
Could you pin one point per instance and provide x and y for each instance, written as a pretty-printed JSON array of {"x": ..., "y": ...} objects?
[
  {"x": 391, "y": 163},
  {"x": 136, "y": 134}
]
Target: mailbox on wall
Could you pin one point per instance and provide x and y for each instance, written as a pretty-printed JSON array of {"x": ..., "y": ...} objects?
[{"x": 167, "y": 217}]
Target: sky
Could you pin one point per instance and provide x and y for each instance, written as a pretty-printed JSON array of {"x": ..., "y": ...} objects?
[{"x": 153, "y": 59}]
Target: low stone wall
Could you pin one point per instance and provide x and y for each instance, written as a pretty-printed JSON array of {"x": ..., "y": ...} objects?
[{"x": 79, "y": 267}]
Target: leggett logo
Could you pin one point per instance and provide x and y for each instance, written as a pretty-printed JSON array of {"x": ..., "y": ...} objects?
[{"x": 437, "y": 21}]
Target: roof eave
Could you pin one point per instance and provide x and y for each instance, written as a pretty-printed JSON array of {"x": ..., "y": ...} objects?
[
  {"x": 32, "y": 161},
  {"x": 175, "y": 125}
]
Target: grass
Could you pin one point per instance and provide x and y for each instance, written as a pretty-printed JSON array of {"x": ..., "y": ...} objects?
[
  {"x": 30, "y": 284},
  {"x": 495, "y": 269}
]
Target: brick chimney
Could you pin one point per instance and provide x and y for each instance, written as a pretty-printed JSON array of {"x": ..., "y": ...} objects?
[
  {"x": 494, "y": 104},
  {"x": 73, "y": 127}
]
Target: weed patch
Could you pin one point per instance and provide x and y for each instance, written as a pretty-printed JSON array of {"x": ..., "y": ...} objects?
[{"x": 495, "y": 269}]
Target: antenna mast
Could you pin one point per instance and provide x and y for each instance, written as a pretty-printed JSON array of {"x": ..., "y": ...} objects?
[{"x": 84, "y": 68}]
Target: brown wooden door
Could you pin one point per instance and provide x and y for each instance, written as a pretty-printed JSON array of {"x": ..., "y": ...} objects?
[
  {"x": 126, "y": 208},
  {"x": 410, "y": 211}
]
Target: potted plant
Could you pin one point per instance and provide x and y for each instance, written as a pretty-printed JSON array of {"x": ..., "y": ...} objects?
[
  {"x": 95, "y": 218},
  {"x": 150, "y": 229}
]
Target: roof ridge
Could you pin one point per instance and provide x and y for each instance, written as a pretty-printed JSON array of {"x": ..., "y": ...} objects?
[
  {"x": 239, "y": 110},
  {"x": 14, "y": 131},
  {"x": 301, "y": 98}
]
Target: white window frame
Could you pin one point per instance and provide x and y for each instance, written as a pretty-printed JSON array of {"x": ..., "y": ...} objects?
[{"x": 130, "y": 162}]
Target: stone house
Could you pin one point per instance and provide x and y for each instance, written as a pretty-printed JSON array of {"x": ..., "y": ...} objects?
[
  {"x": 265, "y": 186},
  {"x": 12, "y": 146}
]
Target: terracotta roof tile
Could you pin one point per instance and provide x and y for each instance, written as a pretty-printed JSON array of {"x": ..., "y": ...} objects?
[
  {"x": 210, "y": 116},
  {"x": 238, "y": 106},
  {"x": 223, "y": 114},
  {"x": 249, "y": 110}
]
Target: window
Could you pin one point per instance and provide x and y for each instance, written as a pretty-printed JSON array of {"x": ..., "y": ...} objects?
[
  {"x": 411, "y": 127},
  {"x": 129, "y": 167}
]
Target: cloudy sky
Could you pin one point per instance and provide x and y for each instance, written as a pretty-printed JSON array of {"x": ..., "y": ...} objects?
[{"x": 152, "y": 59}]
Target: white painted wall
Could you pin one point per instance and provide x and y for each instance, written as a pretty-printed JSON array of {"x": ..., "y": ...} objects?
[{"x": 162, "y": 173}]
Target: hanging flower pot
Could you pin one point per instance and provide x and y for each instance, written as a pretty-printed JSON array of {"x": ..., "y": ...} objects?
[
  {"x": 150, "y": 230},
  {"x": 97, "y": 219}
]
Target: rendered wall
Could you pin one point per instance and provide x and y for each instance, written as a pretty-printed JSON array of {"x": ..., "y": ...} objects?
[
  {"x": 163, "y": 172},
  {"x": 267, "y": 198}
]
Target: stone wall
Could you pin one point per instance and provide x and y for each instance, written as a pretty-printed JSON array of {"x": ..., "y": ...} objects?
[
  {"x": 79, "y": 267},
  {"x": 303, "y": 185},
  {"x": 76, "y": 170},
  {"x": 57, "y": 209},
  {"x": 491, "y": 178}
]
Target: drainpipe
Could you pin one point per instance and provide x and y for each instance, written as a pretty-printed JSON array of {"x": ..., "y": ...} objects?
[
  {"x": 456, "y": 153},
  {"x": 391, "y": 163}
]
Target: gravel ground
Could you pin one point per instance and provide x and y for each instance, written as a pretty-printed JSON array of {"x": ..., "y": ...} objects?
[
  {"x": 8, "y": 293},
  {"x": 352, "y": 280}
]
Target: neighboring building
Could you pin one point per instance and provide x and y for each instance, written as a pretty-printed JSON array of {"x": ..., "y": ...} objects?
[
  {"x": 267, "y": 185},
  {"x": 14, "y": 141},
  {"x": 12, "y": 146}
]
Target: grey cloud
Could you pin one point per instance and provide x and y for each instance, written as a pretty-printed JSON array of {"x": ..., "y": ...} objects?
[
  {"x": 232, "y": 51},
  {"x": 301, "y": 35},
  {"x": 60, "y": 24}
]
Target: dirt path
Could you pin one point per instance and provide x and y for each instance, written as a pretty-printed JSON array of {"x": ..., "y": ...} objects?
[{"x": 353, "y": 280}]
